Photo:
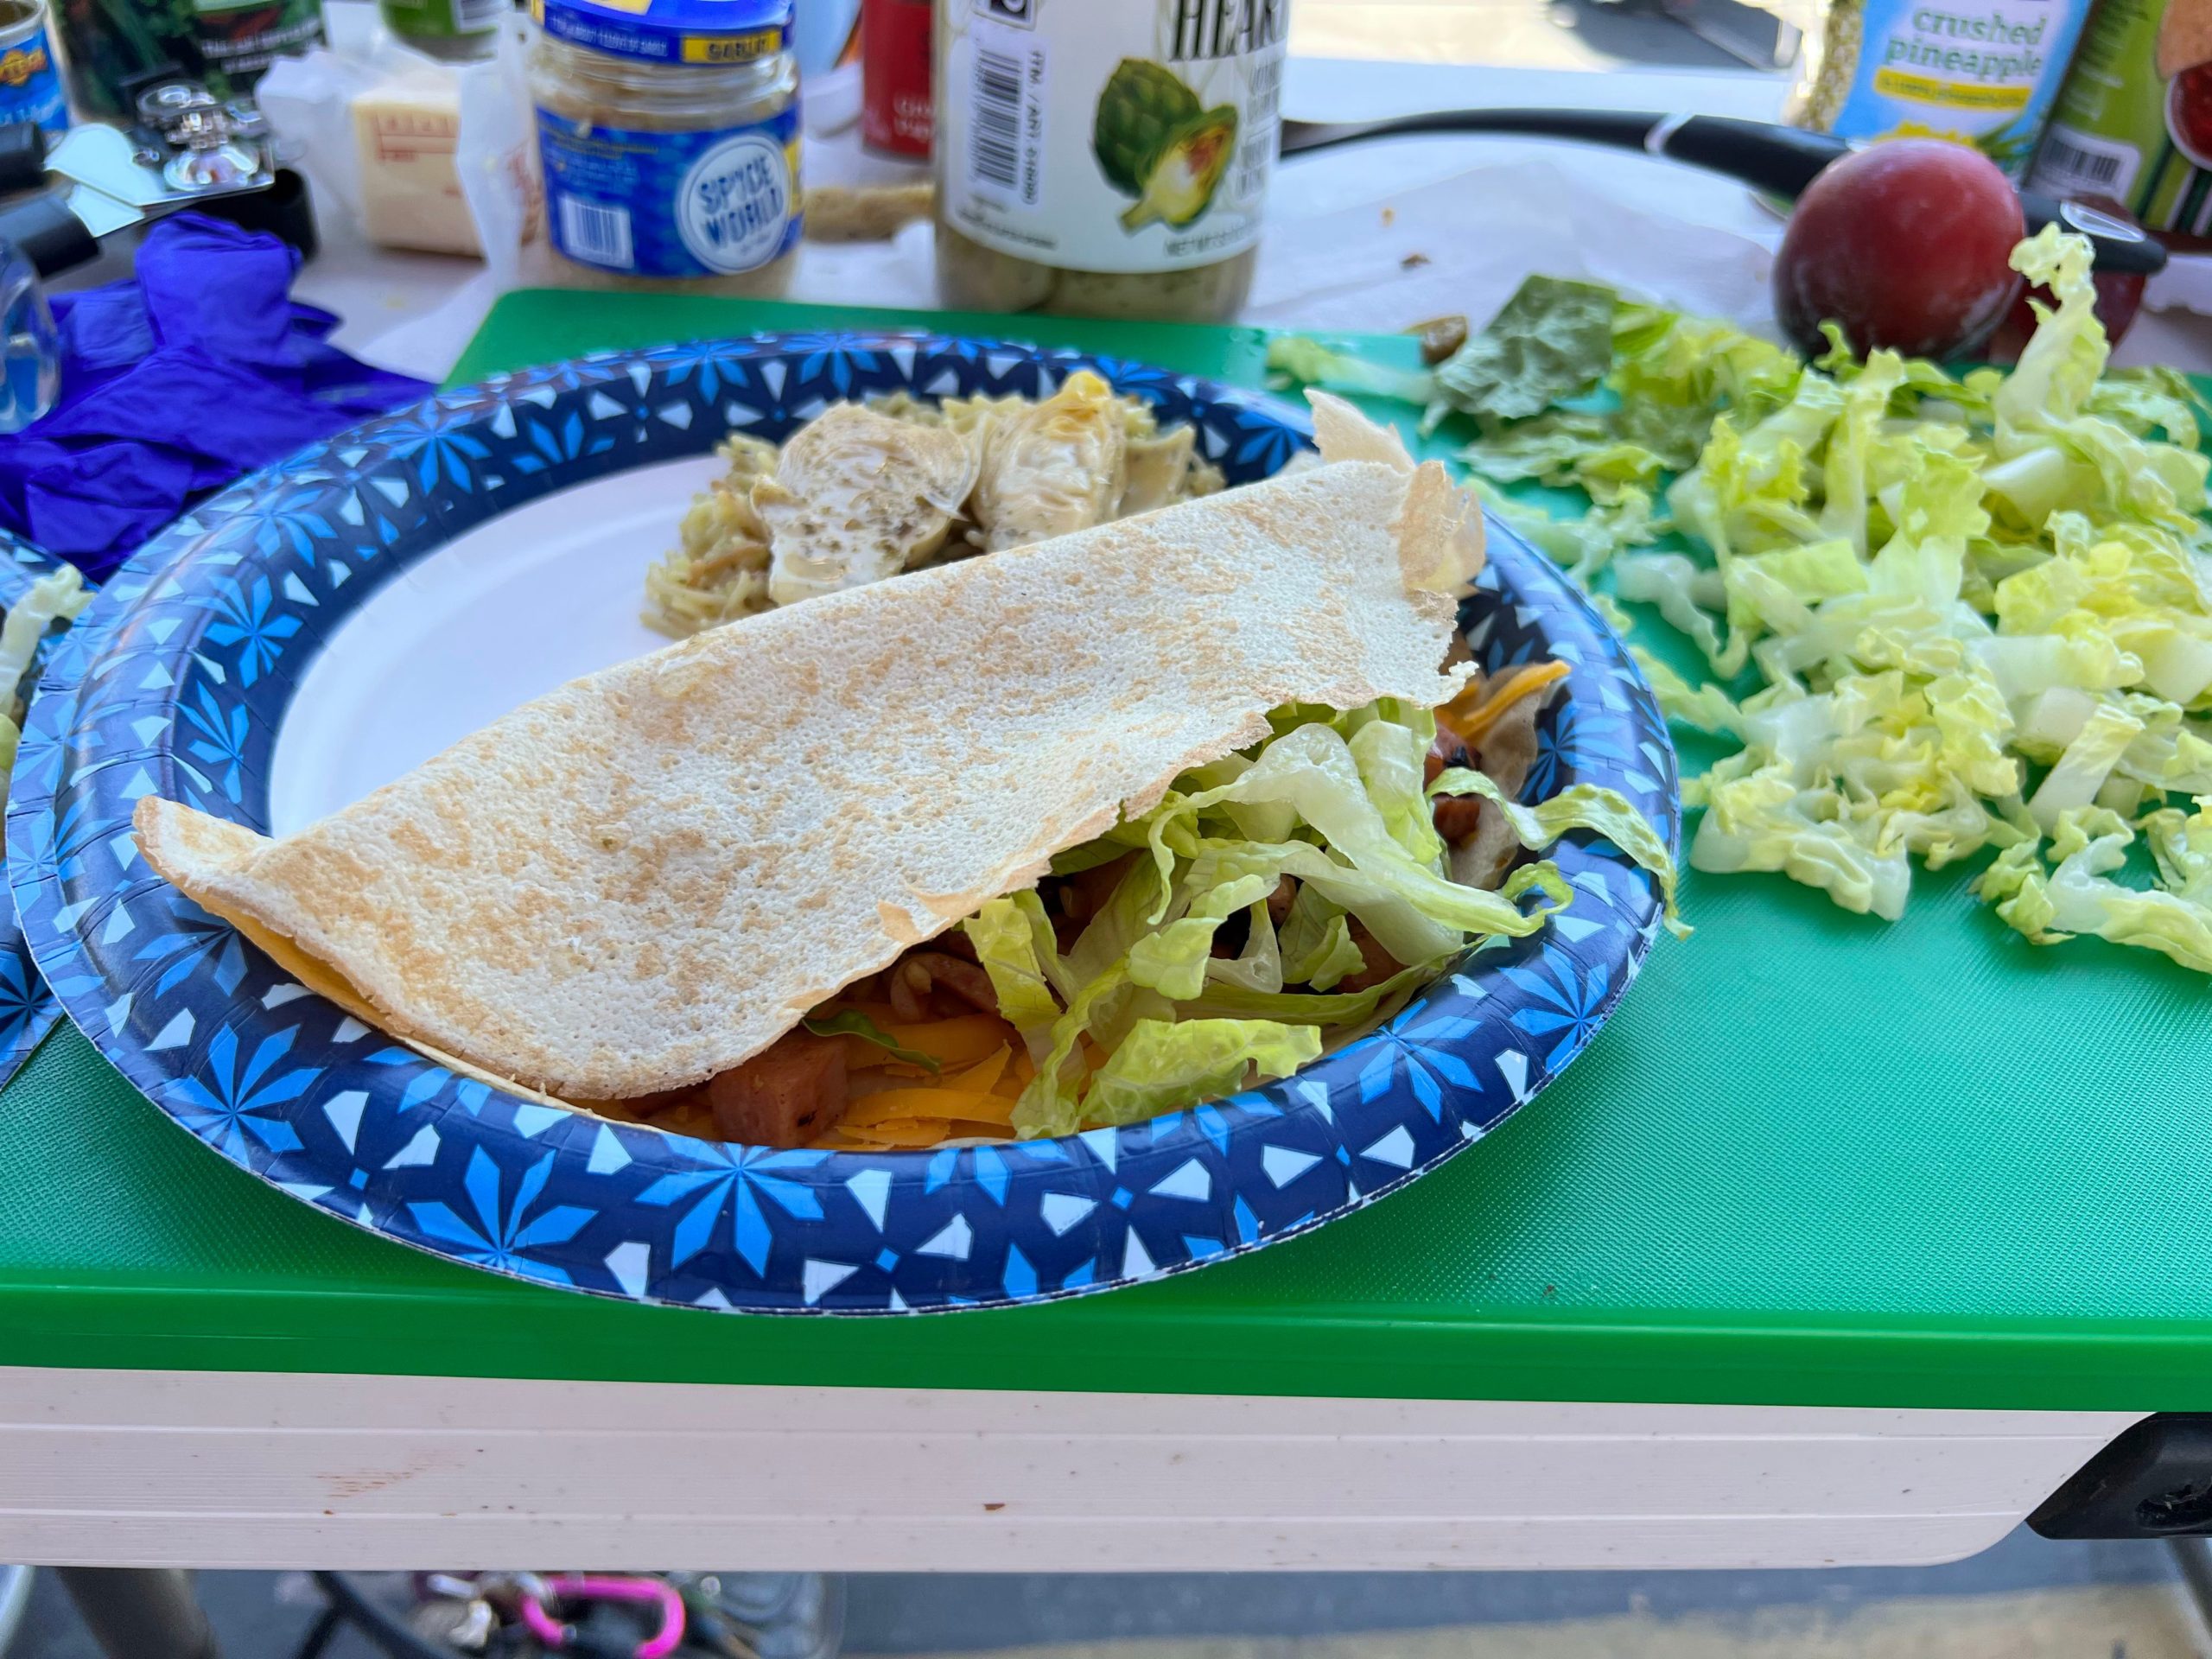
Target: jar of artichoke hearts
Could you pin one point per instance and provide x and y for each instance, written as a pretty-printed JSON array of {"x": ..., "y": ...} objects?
[
  {"x": 668, "y": 134},
  {"x": 1105, "y": 158}
]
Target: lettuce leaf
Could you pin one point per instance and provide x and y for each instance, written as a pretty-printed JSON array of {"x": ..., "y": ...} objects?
[
  {"x": 1316, "y": 942},
  {"x": 1050, "y": 1103},
  {"x": 2059, "y": 365},
  {"x": 1173, "y": 959},
  {"x": 1579, "y": 806},
  {"x": 851, "y": 1022},
  {"x": 1763, "y": 821},
  {"x": 1013, "y": 941},
  {"x": 1584, "y": 546},
  {"x": 2076, "y": 894},
  {"x": 1299, "y": 358},
  {"x": 1160, "y": 1064},
  {"x": 1553, "y": 339}
]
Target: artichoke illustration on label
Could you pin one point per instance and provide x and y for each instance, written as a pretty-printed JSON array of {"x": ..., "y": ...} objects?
[
  {"x": 1111, "y": 137},
  {"x": 1156, "y": 143}
]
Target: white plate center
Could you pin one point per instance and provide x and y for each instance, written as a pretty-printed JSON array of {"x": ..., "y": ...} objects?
[{"x": 502, "y": 613}]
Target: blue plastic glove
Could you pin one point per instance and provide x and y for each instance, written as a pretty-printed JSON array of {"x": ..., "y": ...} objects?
[{"x": 200, "y": 370}]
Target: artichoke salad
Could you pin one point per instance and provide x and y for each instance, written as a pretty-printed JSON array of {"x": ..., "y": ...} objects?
[{"x": 865, "y": 491}]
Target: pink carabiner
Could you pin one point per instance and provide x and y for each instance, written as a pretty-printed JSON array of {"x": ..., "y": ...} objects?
[
  {"x": 549, "y": 1632},
  {"x": 588, "y": 1587}
]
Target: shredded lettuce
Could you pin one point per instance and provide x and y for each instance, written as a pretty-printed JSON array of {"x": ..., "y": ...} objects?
[
  {"x": 1942, "y": 616},
  {"x": 2076, "y": 894},
  {"x": 1582, "y": 547},
  {"x": 59, "y": 596},
  {"x": 1579, "y": 806},
  {"x": 1013, "y": 941},
  {"x": 1311, "y": 362},
  {"x": 1140, "y": 1016},
  {"x": 1162, "y": 1065}
]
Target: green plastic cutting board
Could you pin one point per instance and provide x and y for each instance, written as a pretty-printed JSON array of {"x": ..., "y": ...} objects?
[{"x": 1814, "y": 1159}]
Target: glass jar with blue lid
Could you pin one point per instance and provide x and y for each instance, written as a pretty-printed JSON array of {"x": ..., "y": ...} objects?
[{"x": 667, "y": 131}]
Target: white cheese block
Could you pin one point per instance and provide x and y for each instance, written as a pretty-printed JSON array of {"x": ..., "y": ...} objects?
[{"x": 404, "y": 132}]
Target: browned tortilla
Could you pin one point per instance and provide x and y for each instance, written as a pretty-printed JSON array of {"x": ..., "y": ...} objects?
[{"x": 648, "y": 875}]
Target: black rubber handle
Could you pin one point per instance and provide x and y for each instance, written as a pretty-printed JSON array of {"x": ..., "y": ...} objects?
[
  {"x": 52, "y": 237},
  {"x": 1780, "y": 161},
  {"x": 22, "y": 157},
  {"x": 1620, "y": 129}
]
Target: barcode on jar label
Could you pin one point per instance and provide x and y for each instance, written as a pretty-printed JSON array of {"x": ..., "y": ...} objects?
[
  {"x": 2075, "y": 162},
  {"x": 1256, "y": 152},
  {"x": 1006, "y": 127},
  {"x": 596, "y": 234}
]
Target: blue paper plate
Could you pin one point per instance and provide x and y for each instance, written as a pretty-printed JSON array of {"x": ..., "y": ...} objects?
[
  {"x": 28, "y": 1009},
  {"x": 180, "y": 679}
]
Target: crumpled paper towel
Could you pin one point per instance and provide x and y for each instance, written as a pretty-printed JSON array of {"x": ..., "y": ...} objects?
[
  {"x": 1341, "y": 254},
  {"x": 1464, "y": 242}
]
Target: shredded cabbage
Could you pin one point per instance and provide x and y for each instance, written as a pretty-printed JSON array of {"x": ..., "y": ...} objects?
[
  {"x": 1296, "y": 357},
  {"x": 1943, "y": 616},
  {"x": 1579, "y": 806},
  {"x": 58, "y": 596},
  {"x": 2076, "y": 894},
  {"x": 1335, "y": 801}
]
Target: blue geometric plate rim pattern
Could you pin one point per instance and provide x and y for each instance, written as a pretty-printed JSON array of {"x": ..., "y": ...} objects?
[{"x": 177, "y": 679}]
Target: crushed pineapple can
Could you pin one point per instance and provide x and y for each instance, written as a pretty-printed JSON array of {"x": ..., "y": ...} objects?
[{"x": 1983, "y": 73}]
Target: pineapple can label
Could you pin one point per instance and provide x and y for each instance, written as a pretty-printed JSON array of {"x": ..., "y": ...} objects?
[
  {"x": 1110, "y": 137},
  {"x": 1983, "y": 73}
]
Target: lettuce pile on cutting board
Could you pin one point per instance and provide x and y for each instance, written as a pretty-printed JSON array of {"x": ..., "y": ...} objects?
[{"x": 1944, "y": 616}]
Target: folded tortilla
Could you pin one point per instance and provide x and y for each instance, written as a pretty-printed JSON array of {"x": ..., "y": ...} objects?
[{"x": 646, "y": 876}]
